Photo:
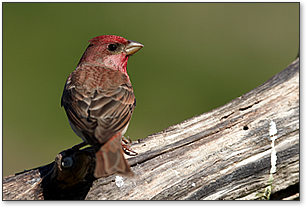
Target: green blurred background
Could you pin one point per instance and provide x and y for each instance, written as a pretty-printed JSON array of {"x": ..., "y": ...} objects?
[{"x": 197, "y": 56}]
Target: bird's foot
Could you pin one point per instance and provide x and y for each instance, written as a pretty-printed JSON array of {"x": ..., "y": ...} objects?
[{"x": 126, "y": 146}]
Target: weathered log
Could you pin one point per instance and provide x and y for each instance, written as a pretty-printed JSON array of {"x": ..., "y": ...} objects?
[{"x": 246, "y": 149}]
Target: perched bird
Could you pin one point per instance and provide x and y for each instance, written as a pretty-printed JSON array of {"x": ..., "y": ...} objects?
[{"x": 99, "y": 101}]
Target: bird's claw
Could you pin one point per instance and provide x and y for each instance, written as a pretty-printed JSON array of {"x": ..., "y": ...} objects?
[{"x": 126, "y": 146}]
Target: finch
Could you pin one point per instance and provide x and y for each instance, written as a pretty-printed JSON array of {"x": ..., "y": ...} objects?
[{"x": 98, "y": 99}]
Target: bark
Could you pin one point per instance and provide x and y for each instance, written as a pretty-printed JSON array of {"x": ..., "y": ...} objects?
[{"x": 247, "y": 149}]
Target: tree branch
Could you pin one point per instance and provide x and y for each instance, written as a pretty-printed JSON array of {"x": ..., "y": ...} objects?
[{"x": 227, "y": 153}]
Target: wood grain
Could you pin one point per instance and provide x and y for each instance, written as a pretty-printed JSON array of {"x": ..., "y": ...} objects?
[{"x": 222, "y": 154}]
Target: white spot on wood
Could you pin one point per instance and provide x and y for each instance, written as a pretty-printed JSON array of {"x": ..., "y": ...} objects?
[
  {"x": 273, "y": 137},
  {"x": 193, "y": 184},
  {"x": 176, "y": 172},
  {"x": 273, "y": 130},
  {"x": 119, "y": 181}
]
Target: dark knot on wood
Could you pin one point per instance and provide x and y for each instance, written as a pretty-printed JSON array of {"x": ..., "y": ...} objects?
[{"x": 72, "y": 173}]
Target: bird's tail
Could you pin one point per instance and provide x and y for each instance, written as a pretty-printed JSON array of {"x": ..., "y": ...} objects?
[{"x": 110, "y": 159}]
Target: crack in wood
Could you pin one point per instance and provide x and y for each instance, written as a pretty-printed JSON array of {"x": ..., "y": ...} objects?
[
  {"x": 247, "y": 107},
  {"x": 226, "y": 116}
]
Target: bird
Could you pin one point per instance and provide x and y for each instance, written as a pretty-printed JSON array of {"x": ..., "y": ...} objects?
[{"x": 99, "y": 101}]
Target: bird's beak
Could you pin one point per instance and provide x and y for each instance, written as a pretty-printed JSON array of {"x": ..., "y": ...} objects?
[{"x": 132, "y": 47}]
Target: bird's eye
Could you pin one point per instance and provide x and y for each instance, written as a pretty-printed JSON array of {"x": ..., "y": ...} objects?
[{"x": 112, "y": 47}]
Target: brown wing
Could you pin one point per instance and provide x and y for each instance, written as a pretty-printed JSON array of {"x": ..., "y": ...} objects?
[{"x": 99, "y": 102}]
